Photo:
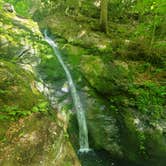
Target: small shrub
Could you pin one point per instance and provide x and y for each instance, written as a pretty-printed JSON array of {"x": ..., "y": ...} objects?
[{"x": 149, "y": 98}]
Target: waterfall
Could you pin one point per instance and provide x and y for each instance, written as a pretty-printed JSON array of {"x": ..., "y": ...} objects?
[{"x": 83, "y": 132}]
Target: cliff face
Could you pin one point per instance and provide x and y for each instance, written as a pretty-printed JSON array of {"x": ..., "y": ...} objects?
[{"x": 30, "y": 131}]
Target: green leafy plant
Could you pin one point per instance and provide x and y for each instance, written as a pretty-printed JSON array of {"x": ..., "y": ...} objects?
[
  {"x": 150, "y": 98},
  {"x": 13, "y": 112},
  {"x": 41, "y": 107},
  {"x": 141, "y": 140}
]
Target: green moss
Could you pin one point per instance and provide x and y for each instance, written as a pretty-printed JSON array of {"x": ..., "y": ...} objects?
[
  {"x": 17, "y": 94},
  {"x": 106, "y": 78},
  {"x": 149, "y": 98}
]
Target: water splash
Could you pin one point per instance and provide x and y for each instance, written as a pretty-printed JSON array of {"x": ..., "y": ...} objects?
[{"x": 83, "y": 132}]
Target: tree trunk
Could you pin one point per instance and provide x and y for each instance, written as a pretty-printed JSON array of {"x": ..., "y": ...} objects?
[{"x": 104, "y": 16}]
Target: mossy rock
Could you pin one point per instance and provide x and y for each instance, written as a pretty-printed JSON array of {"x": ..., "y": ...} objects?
[
  {"x": 81, "y": 35},
  {"x": 106, "y": 78},
  {"x": 142, "y": 141},
  {"x": 28, "y": 134},
  {"x": 103, "y": 127},
  {"x": 17, "y": 86},
  {"x": 18, "y": 94},
  {"x": 29, "y": 142}
]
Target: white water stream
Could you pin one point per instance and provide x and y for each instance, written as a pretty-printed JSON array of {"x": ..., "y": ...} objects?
[{"x": 83, "y": 131}]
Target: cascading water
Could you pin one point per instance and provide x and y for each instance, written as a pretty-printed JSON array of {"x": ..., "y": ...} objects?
[{"x": 83, "y": 132}]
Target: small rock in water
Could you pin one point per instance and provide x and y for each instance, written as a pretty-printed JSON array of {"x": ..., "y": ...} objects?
[{"x": 65, "y": 88}]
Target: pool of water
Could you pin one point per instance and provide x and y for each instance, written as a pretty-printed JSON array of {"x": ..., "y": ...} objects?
[{"x": 101, "y": 158}]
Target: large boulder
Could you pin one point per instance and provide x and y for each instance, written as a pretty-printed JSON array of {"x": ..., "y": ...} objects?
[
  {"x": 130, "y": 123},
  {"x": 36, "y": 140},
  {"x": 106, "y": 78},
  {"x": 30, "y": 131}
]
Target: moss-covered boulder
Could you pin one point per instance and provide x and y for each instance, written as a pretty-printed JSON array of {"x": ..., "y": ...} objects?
[
  {"x": 36, "y": 140},
  {"x": 130, "y": 123},
  {"x": 30, "y": 131},
  {"x": 106, "y": 78},
  {"x": 18, "y": 94},
  {"x": 82, "y": 34}
]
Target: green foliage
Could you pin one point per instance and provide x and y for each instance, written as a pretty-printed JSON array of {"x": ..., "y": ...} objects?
[
  {"x": 51, "y": 69},
  {"x": 140, "y": 27},
  {"x": 16, "y": 95},
  {"x": 150, "y": 98},
  {"x": 41, "y": 107},
  {"x": 141, "y": 140},
  {"x": 15, "y": 112},
  {"x": 140, "y": 49},
  {"x": 119, "y": 9},
  {"x": 12, "y": 112},
  {"x": 145, "y": 6},
  {"x": 21, "y": 7},
  {"x": 49, "y": 7}
]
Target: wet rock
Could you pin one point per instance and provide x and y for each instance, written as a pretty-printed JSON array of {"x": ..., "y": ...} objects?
[{"x": 103, "y": 126}]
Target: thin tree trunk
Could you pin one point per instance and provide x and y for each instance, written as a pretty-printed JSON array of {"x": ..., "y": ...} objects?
[{"x": 104, "y": 16}]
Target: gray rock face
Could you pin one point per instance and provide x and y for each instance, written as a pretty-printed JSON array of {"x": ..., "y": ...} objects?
[{"x": 103, "y": 128}]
